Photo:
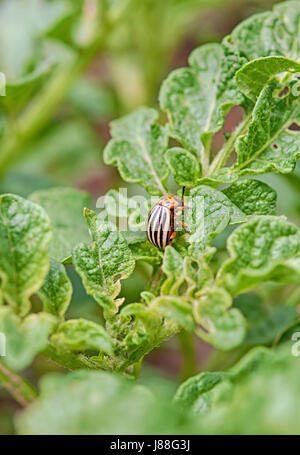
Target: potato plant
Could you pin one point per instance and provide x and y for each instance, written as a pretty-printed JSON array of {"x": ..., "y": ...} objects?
[{"x": 198, "y": 285}]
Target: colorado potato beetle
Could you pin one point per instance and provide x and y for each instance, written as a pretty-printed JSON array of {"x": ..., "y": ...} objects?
[{"x": 163, "y": 220}]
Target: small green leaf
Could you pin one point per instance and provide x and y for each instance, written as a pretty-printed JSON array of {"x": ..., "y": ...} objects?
[
  {"x": 81, "y": 334},
  {"x": 25, "y": 233},
  {"x": 197, "y": 274},
  {"x": 269, "y": 145},
  {"x": 173, "y": 268},
  {"x": 137, "y": 148},
  {"x": 219, "y": 324},
  {"x": 253, "y": 76},
  {"x": 24, "y": 338},
  {"x": 266, "y": 248},
  {"x": 198, "y": 97},
  {"x": 64, "y": 207},
  {"x": 143, "y": 250},
  {"x": 184, "y": 166},
  {"x": 105, "y": 263},
  {"x": 56, "y": 292},
  {"x": 252, "y": 197},
  {"x": 178, "y": 309}
]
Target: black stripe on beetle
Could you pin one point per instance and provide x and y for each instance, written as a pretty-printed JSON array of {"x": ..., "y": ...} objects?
[{"x": 163, "y": 219}]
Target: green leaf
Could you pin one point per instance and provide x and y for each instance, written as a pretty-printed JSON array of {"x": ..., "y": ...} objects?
[
  {"x": 137, "y": 148},
  {"x": 219, "y": 324},
  {"x": 197, "y": 274},
  {"x": 253, "y": 76},
  {"x": 21, "y": 28},
  {"x": 25, "y": 233},
  {"x": 178, "y": 309},
  {"x": 105, "y": 263},
  {"x": 211, "y": 211},
  {"x": 252, "y": 197},
  {"x": 58, "y": 153},
  {"x": 24, "y": 338},
  {"x": 269, "y": 145},
  {"x": 184, "y": 166},
  {"x": 265, "y": 322},
  {"x": 266, "y": 248},
  {"x": 143, "y": 250},
  {"x": 173, "y": 268},
  {"x": 56, "y": 292},
  {"x": 81, "y": 334},
  {"x": 198, "y": 97},
  {"x": 190, "y": 392},
  {"x": 64, "y": 207},
  {"x": 270, "y": 33},
  {"x": 95, "y": 402}
]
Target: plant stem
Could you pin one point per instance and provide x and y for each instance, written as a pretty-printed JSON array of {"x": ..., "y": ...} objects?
[
  {"x": 20, "y": 389},
  {"x": 187, "y": 344},
  {"x": 225, "y": 152}
]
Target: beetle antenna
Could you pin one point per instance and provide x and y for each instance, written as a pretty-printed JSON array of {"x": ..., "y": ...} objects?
[{"x": 182, "y": 196}]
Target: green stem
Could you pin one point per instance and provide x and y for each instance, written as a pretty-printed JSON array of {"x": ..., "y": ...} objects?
[
  {"x": 20, "y": 389},
  {"x": 187, "y": 344},
  {"x": 223, "y": 155}
]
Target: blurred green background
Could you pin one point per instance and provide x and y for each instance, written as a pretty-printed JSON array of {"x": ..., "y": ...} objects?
[{"x": 70, "y": 68}]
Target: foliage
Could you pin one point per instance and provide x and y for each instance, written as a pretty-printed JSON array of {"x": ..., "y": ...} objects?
[{"x": 194, "y": 286}]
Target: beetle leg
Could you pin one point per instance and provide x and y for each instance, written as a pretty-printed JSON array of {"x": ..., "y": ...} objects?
[
  {"x": 186, "y": 227},
  {"x": 172, "y": 237}
]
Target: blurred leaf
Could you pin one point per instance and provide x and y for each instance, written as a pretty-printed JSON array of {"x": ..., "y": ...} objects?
[
  {"x": 219, "y": 324},
  {"x": 92, "y": 99},
  {"x": 94, "y": 402},
  {"x": 24, "y": 338},
  {"x": 138, "y": 148},
  {"x": 21, "y": 26},
  {"x": 25, "y": 233},
  {"x": 252, "y": 197},
  {"x": 184, "y": 166},
  {"x": 264, "y": 322},
  {"x": 81, "y": 334},
  {"x": 64, "y": 153},
  {"x": 56, "y": 291},
  {"x": 269, "y": 145},
  {"x": 266, "y": 248},
  {"x": 103, "y": 264},
  {"x": 65, "y": 208}
]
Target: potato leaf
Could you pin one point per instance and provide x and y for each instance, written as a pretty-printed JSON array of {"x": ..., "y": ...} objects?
[
  {"x": 253, "y": 76},
  {"x": 197, "y": 98},
  {"x": 24, "y": 338},
  {"x": 266, "y": 248},
  {"x": 56, "y": 292},
  {"x": 218, "y": 324},
  {"x": 269, "y": 144},
  {"x": 104, "y": 263},
  {"x": 64, "y": 207},
  {"x": 25, "y": 233},
  {"x": 184, "y": 166},
  {"x": 137, "y": 148},
  {"x": 252, "y": 197},
  {"x": 81, "y": 334}
]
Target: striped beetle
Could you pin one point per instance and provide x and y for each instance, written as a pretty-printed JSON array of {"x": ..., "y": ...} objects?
[{"x": 163, "y": 219}]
